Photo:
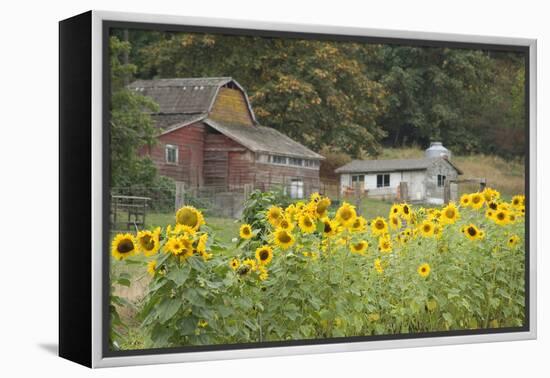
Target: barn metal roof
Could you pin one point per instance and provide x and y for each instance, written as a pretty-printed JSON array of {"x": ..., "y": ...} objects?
[
  {"x": 264, "y": 139},
  {"x": 367, "y": 166},
  {"x": 183, "y": 95}
]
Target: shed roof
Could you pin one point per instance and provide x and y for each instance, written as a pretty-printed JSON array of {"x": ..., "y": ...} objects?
[
  {"x": 183, "y": 95},
  {"x": 367, "y": 166},
  {"x": 264, "y": 139}
]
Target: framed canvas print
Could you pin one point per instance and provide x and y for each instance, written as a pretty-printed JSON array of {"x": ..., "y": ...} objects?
[{"x": 233, "y": 189}]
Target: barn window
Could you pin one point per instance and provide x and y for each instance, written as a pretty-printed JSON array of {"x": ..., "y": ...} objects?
[
  {"x": 171, "y": 154},
  {"x": 296, "y": 188},
  {"x": 357, "y": 178},
  {"x": 441, "y": 180},
  {"x": 295, "y": 161},
  {"x": 311, "y": 163},
  {"x": 276, "y": 159},
  {"x": 383, "y": 180}
]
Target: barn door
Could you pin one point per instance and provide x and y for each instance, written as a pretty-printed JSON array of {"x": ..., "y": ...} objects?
[{"x": 215, "y": 169}]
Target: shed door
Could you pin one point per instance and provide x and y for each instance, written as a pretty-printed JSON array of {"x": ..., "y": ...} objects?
[{"x": 415, "y": 185}]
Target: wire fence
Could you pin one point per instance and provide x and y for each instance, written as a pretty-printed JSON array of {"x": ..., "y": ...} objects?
[{"x": 137, "y": 207}]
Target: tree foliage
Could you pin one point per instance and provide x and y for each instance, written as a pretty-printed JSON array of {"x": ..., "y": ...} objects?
[
  {"x": 131, "y": 125},
  {"x": 356, "y": 97}
]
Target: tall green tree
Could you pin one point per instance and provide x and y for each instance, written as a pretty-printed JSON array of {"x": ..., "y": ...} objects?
[{"x": 131, "y": 125}]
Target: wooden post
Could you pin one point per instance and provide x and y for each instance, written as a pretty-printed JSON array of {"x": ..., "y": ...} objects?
[
  {"x": 447, "y": 191},
  {"x": 357, "y": 196},
  {"x": 404, "y": 191}
]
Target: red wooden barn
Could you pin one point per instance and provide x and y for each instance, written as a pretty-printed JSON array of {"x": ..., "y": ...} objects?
[{"x": 209, "y": 137}]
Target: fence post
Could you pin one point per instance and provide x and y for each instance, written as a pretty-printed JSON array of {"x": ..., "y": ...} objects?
[{"x": 180, "y": 195}]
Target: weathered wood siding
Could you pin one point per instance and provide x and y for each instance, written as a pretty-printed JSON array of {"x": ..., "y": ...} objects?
[
  {"x": 231, "y": 107},
  {"x": 190, "y": 143},
  {"x": 222, "y": 162}
]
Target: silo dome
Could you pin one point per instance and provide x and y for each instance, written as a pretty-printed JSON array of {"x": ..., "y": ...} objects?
[{"x": 437, "y": 150}]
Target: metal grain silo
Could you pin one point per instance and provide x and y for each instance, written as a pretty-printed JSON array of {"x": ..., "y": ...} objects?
[{"x": 437, "y": 150}]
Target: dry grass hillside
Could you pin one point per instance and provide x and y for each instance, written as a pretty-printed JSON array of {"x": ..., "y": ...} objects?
[{"x": 507, "y": 176}]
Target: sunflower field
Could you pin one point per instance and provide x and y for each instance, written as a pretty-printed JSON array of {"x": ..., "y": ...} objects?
[{"x": 311, "y": 271}]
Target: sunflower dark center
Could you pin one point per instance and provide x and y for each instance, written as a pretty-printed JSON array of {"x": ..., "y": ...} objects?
[
  {"x": 284, "y": 237},
  {"x": 346, "y": 214},
  {"x": 147, "y": 242},
  {"x": 450, "y": 213},
  {"x": 188, "y": 217},
  {"x": 476, "y": 199},
  {"x": 246, "y": 231},
  {"x": 307, "y": 222},
  {"x": 472, "y": 231},
  {"x": 427, "y": 228},
  {"x": 423, "y": 269},
  {"x": 328, "y": 228},
  {"x": 406, "y": 209},
  {"x": 501, "y": 216},
  {"x": 379, "y": 224},
  {"x": 264, "y": 255},
  {"x": 125, "y": 246}
]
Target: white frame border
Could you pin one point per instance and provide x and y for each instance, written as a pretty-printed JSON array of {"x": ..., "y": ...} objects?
[{"x": 97, "y": 243}]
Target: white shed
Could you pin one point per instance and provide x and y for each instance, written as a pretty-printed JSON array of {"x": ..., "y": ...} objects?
[{"x": 425, "y": 178}]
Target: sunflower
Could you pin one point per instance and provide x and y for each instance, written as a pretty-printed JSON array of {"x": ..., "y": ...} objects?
[
  {"x": 283, "y": 238},
  {"x": 406, "y": 211},
  {"x": 123, "y": 246},
  {"x": 263, "y": 273},
  {"x": 476, "y": 200},
  {"x": 449, "y": 214},
  {"x": 250, "y": 264},
  {"x": 274, "y": 215},
  {"x": 359, "y": 224},
  {"x": 264, "y": 255},
  {"x": 518, "y": 201},
  {"x": 189, "y": 216},
  {"x": 502, "y": 217},
  {"x": 385, "y": 244},
  {"x": 234, "y": 263},
  {"x": 493, "y": 205},
  {"x": 360, "y": 247},
  {"x": 513, "y": 241},
  {"x": 286, "y": 223},
  {"x": 490, "y": 194},
  {"x": 424, "y": 270},
  {"x": 395, "y": 222},
  {"x": 330, "y": 227},
  {"x": 315, "y": 197},
  {"x": 379, "y": 226},
  {"x": 434, "y": 215},
  {"x": 346, "y": 214},
  {"x": 322, "y": 207},
  {"x": 465, "y": 200},
  {"x": 148, "y": 242},
  {"x": 152, "y": 267},
  {"x": 181, "y": 229},
  {"x": 489, "y": 214},
  {"x": 179, "y": 246},
  {"x": 306, "y": 224},
  {"x": 426, "y": 229},
  {"x": 471, "y": 232},
  {"x": 245, "y": 232},
  {"x": 395, "y": 209},
  {"x": 378, "y": 266}
]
